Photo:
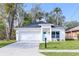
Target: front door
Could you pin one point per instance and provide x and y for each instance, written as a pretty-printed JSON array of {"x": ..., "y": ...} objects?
[{"x": 46, "y": 33}]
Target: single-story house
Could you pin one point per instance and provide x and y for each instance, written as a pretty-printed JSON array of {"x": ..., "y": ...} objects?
[
  {"x": 73, "y": 33},
  {"x": 39, "y": 31}
]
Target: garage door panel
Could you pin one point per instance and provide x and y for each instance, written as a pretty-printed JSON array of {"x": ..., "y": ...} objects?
[{"x": 30, "y": 36}]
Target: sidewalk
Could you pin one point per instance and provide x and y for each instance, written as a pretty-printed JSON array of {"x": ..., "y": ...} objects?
[{"x": 59, "y": 51}]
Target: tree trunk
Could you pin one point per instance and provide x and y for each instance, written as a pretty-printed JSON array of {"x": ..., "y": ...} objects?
[
  {"x": 12, "y": 22},
  {"x": 57, "y": 19},
  {"x": 11, "y": 28},
  {"x": 7, "y": 33}
]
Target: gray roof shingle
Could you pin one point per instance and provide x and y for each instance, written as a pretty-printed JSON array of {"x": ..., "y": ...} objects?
[{"x": 35, "y": 24}]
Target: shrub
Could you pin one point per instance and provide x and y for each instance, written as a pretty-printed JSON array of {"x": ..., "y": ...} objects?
[
  {"x": 2, "y": 36},
  {"x": 78, "y": 36},
  {"x": 69, "y": 39}
]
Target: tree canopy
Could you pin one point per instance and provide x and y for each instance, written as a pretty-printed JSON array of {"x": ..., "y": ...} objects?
[
  {"x": 56, "y": 17},
  {"x": 71, "y": 24}
]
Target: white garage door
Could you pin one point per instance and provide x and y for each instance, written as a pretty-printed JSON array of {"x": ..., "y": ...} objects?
[{"x": 25, "y": 36}]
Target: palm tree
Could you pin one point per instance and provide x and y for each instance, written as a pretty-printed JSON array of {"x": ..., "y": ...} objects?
[{"x": 58, "y": 15}]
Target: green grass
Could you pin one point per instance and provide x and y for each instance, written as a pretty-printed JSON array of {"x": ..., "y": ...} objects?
[
  {"x": 61, "y": 45},
  {"x": 60, "y": 53},
  {"x": 6, "y": 42}
]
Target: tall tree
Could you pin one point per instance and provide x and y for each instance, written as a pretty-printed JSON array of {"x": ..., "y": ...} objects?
[
  {"x": 36, "y": 12},
  {"x": 56, "y": 17},
  {"x": 9, "y": 13},
  {"x": 71, "y": 24},
  {"x": 27, "y": 19},
  {"x": 20, "y": 15},
  {"x": 46, "y": 15}
]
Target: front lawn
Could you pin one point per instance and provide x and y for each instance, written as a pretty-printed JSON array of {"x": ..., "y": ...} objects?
[
  {"x": 6, "y": 42},
  {"x": 61, "y": 45},
  {"x": 60, "y": 53}
]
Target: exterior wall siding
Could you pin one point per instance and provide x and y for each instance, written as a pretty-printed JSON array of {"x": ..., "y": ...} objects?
[
  {"x": 62, "y": 34},
  {"x": 40, "y": 30}
]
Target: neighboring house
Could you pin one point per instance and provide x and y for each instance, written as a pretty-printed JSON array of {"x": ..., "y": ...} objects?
[
  {"x": 39, "y": 31},
  {"x": 73, "y": 33}
]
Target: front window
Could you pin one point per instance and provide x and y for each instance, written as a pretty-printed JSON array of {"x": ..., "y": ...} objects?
[{"x": 55, "y": 34}]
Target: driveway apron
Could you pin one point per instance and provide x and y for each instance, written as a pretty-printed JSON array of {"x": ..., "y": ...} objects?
[{"x": 21, "y": 48}]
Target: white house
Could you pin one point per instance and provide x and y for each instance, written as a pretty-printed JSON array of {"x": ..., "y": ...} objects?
[{"x": 39, "y": 31}]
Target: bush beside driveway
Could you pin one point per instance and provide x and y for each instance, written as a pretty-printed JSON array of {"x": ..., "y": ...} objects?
[{"x": 6, "y": 42}]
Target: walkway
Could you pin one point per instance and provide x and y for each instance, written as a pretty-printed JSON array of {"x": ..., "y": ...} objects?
[{"x": 59, "y": 51}]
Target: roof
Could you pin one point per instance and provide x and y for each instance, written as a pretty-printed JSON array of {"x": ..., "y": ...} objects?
[
  {"x": 36, "y": 24},
  {"x": 73, "y": 29}
]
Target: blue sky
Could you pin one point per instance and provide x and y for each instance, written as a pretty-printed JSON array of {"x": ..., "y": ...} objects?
[{"x": 70, "y": 10}]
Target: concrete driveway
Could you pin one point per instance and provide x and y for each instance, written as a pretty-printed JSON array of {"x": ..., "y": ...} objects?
[{"x": 21, "y": 48}]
